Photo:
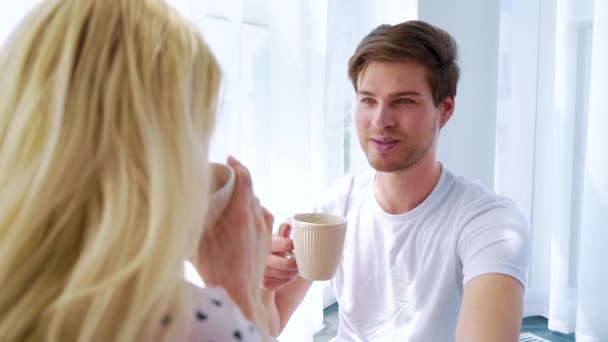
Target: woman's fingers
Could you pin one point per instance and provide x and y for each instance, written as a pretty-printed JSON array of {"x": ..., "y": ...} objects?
[
  {"x": 243, "y": 188},
  {"x": 268, "y": 218}
]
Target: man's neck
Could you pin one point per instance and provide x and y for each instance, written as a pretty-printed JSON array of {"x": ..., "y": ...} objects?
[{"x": 401, "y": 191}]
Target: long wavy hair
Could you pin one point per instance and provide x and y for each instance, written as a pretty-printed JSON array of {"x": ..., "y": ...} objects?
[{"x": 106, "y": 111}]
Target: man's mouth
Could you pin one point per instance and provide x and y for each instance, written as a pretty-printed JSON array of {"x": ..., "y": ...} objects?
[{"x": 383, "y": 144}]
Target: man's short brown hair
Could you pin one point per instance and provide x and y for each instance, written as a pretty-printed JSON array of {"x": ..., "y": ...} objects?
[{"x": 411, "y": 41}]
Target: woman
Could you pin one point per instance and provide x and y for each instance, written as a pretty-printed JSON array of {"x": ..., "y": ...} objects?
[{"x": 106, "y": 112}]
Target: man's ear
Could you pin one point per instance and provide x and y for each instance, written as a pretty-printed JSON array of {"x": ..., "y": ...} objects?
[{"x": 446, "y": 108}]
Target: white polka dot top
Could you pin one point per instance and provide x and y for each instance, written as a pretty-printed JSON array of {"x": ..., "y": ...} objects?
[{"x": 216, "y": 318}]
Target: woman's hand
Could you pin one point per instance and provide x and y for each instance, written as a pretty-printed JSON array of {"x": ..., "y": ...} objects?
[{"x": 232, "y": 254}]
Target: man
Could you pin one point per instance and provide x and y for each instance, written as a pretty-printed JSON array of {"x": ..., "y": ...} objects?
[{"x": 428, "y": 256}]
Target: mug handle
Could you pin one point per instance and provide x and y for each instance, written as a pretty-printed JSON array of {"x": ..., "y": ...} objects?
[{"x": 281, "y": 233}]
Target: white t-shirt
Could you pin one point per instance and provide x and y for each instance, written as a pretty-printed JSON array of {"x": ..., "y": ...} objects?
[{"x": 402, "y": 276}]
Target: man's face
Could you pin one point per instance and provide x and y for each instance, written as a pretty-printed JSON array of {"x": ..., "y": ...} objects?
[{"x": 397, "y": 121}]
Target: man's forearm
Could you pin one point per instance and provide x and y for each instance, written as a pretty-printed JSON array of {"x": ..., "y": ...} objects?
[
  {"x": 491, "y": 309},
  {"x": 272, "y": 312},
  {"x": 281, "y": 304}
]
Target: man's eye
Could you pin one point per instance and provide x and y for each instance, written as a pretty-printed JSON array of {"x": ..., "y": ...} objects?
[
  {"x": 368, "y": 100},
  {"x": 404, "y": 101}
]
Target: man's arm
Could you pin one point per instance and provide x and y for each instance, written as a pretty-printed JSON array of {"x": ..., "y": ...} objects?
[
  {"x": 491, "y": 309},
  {"x": 282, "y": 303},
  {"x": 283, "y": 289}
]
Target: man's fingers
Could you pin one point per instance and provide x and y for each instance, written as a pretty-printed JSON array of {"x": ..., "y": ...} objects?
[
  {"x": 274, "y": 284},
  {"x": 281, "y": 263},
  {"x": 279, "y": 274},
  {"x": 284, "y": 230},
  {"x": 281, "y": 245}
]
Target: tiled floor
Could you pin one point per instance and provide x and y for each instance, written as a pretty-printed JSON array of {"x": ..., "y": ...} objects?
[
  {"x": 535, "y": 325},
  {"x": 538, "y": 326},
  {"x": 330, "y": 322}
]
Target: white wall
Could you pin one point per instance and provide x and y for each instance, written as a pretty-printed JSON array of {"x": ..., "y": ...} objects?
[{"x": 467, "y": 142}]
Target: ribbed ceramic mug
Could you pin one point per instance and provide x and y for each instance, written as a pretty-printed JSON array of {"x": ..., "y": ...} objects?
[{"x": 318, "y": 240}]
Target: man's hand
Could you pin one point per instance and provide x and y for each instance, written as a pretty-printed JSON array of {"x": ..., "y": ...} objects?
[{"x": 281, "y": 269}]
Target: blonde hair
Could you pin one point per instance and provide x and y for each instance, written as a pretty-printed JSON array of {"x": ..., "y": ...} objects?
[{"x": 106, "y": 111}]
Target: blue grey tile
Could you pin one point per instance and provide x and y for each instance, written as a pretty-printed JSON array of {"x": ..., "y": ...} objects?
[{"x": 535, "y": 325}]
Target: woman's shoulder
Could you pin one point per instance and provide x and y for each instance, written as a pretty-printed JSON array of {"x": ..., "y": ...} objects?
[{"x": 215, "y": 317}]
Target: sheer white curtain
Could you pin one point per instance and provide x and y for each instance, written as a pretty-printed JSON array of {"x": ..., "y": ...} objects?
[
  {"x": 274, "y": 114},
  {"x": 287, "y": 101},
  {"x": 551, "y": 154}
]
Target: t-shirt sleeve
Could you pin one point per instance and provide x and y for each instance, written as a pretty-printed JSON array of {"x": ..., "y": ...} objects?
[{"x": 496, "y": 240}]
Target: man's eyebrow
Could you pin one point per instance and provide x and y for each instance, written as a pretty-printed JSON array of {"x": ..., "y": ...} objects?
[
  {"x": 405, "y": 93},
  {"x": 365, "y": 92},
  {"x": 397, "y": 94}
]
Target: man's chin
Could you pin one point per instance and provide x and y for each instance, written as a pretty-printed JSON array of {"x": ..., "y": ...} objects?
[
  {"x": 385, "y": 166},
  {"x": 389, "y": 165},
  {"x": 395, "y": 160}
]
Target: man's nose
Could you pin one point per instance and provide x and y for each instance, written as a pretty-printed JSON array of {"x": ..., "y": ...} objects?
[{"x": 383, "y": 117}]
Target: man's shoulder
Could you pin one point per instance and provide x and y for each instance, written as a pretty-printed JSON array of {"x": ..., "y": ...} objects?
[
  {"x": 336, "y": 197},
  {"x": 474, "y": 198},
  {"x": 351, "y": 183}
]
